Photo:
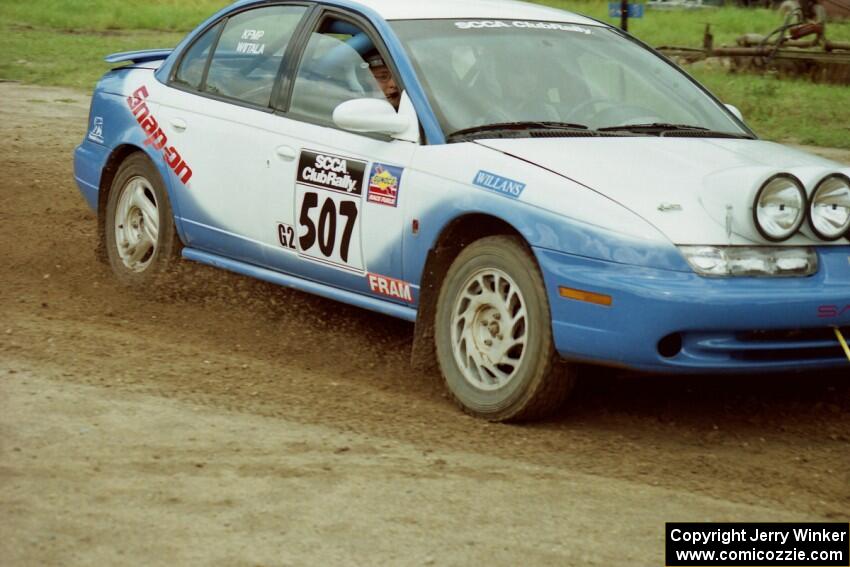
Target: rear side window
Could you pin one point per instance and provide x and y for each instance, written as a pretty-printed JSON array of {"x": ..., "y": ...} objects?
[
  {"x": 249, "y": 53},
  {"x": 191, "y": 71}
]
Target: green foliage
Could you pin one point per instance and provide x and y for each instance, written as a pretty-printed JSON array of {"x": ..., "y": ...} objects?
[
  {"x": 46, "y": 57},
  {"x": 63, "y": 42},
  {"x": 675, "y": 27},
  {"x": 100, "y": 15},
  {"x": 685, "y": 27},
  {"x": 790, "y": 110}
]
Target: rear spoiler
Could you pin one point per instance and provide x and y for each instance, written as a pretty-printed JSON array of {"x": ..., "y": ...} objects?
[{"x": 143, "y": 56}]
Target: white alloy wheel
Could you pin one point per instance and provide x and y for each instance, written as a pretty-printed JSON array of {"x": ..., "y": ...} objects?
[
  {"x": 493, "y": 334},
  {"x": 489, "y": 329},
  {"x": 140, "y": 238},
  {"x": 137, "y": 224}
]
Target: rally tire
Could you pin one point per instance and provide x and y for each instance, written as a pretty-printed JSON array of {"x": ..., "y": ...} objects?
[
  {"x": 140, "y": 237},
  {"x": 516, "y": 375}
]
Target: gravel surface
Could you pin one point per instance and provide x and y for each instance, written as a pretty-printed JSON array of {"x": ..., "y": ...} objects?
[{"x": 230, "y": 422}]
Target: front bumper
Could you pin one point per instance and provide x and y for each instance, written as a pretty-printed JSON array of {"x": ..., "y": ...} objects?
[{"x": 669, "y": 321}]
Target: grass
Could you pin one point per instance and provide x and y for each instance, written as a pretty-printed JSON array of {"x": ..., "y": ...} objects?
[
  {"x": 62, "y": 42},
  {"x": 785, "y": 110},
  {"x": 102, "y": 15},
  {"x": 685, "y": 27},
  {"x": 45, "y": 57}
]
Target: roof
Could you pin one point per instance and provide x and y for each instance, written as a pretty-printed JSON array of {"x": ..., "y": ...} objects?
[{"x": 459, "y": 9}]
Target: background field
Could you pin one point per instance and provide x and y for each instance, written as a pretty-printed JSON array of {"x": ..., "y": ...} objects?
[{"x": 62, "y": 42}]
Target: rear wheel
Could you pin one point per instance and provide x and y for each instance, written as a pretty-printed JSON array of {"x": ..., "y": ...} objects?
[
  {"x": 141, "y": 240},
  {"x": 494, "y": 334}
]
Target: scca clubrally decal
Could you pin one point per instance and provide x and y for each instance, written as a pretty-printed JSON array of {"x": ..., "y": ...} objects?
[{"x": 331, "y": 172}]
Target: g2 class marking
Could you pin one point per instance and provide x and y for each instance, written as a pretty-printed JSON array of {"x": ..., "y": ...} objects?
[
  {"x": 156, "y": 137},
  {"x": 499, "y": 184},
  {"x": 329, "y": 219},
  {"x": 286, "y": 236}
]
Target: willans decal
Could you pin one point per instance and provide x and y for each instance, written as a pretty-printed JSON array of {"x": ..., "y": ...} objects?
[
  {"x": 498, "y": 184},
  {"x": 156, "y": 137}
]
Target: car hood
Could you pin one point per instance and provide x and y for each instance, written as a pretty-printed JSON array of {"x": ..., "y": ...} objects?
[{"x": 694, "y": 190}]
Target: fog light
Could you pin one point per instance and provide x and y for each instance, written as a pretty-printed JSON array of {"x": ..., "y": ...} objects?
[
  {"x": 780, "y": 207},
  {"x": 829, "y": 213}
]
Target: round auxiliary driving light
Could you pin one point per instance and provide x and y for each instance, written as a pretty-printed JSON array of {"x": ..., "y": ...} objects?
[
  {"x": 780, "y": 207},
  {"x": 829, "y": 211}
]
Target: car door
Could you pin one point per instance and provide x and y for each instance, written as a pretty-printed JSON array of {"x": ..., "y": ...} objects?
[
  {"x": 335, "y": 213},
  {"x": 219, "y": 111}
]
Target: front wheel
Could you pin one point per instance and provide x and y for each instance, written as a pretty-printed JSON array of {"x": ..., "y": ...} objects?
[
  {"x": 141, "y": 240},
  {"x": 494, "y": 334}
]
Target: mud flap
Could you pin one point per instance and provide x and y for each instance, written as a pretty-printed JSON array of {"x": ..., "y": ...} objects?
[{"x": 423, "y": 356}]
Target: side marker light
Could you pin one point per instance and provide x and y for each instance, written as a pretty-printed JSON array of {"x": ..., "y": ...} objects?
[{"x": 586, "y": 296}]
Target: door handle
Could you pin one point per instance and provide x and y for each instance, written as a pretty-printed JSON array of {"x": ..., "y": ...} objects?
[
  {"x": 286, "y": 153},
  {"x": 179, "y": 125}
]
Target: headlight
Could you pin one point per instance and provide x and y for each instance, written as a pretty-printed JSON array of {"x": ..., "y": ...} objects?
[
  {"x": 829, "y": 212},
  {"x": 779, "y": 208},
  {"x": 720, "y": 261}
]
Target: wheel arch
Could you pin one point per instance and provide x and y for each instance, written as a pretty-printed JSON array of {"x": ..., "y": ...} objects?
[
  {"x": 456, "y": 235},
  {"x": 110, "y": 169}
]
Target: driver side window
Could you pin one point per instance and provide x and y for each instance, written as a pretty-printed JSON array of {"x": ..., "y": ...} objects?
[
  {"x": 249, "y": 53},
  {"x": 340, "y": 63}
]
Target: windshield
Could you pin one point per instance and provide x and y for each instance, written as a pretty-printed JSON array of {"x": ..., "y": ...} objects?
[{"x": 486, "y": 72}]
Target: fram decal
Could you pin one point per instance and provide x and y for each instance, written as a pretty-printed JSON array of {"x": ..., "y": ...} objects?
[
  {"x": 389, "y": 287},
  {"x": 832, "y": 311},
  {"x": 331, "y": 172},
  {"x": 156, "y": 137},
  {"x": 384, "y": 183},
  {"x": 96, "y": 134},
  {"x": 503, "y": 185}
]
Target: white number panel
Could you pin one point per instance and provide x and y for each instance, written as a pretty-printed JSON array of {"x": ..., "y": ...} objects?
[{"x": 328, "y": 210}]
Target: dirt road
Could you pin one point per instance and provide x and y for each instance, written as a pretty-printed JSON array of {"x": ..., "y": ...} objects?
[{"x": 230, "y": 422}]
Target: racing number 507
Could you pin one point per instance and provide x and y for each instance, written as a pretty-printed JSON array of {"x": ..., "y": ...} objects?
[{"x": 326, "y": 231}]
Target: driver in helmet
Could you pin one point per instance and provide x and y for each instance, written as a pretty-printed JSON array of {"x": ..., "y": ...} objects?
[{"x": 385, "y": 78}]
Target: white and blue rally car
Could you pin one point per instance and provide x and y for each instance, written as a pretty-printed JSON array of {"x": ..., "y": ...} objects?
[{"x": 531, "y": 187}]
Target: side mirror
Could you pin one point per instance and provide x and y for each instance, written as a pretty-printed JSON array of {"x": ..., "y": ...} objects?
[
  {"x": 370, "y": 115},
  {"x": 734, "y": 110}
]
